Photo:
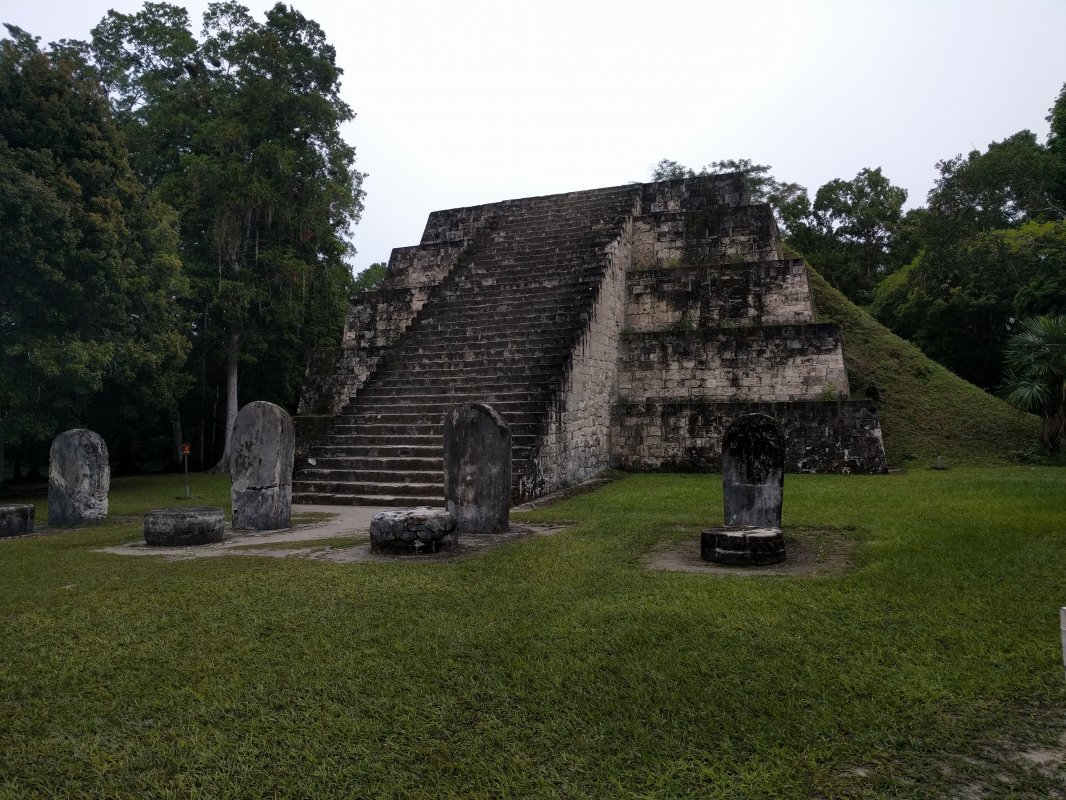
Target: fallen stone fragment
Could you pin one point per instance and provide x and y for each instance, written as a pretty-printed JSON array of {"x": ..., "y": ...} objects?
[
  {"x": 418, "y": 530},
  {"x": 16, "y": 520},
  {"x": 180, "y": 527}
]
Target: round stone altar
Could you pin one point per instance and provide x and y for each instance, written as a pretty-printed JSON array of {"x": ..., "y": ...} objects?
[
  {"x": 418, "y": 530},
  {"x": 16, "y": 520},
  {"x": 181, "y": 527},
  {"x": 742, "y": 545}
]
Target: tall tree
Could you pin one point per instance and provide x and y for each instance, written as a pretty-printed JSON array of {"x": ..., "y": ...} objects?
[
  {"x": 850, "y": 232},
  {"x": 89, "y": 312},
  {"x": 240, "y": 132}
]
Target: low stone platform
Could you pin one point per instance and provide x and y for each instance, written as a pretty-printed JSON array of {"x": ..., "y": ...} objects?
[
  {"x": 742, "y": 546},
  {"x": 182, "y": 527},
  {"x": 418, "y": 530},
  {"x": 16, "y": 520}
]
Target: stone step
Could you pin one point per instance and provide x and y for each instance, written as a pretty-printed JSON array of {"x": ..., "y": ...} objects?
[
  {"x": 366, "y": 410},
  {"x": 454, "y": 338},
  {"x": 367, "y": 418},
  {"x": 313, "y": 496},
  {"x": 369, "y": 399},
  {"x": 408, "y": 465},
  {"x": 388, "y": 428},
  {"x": 391, "y": 489},
  {"x": 357, "y": 474}
]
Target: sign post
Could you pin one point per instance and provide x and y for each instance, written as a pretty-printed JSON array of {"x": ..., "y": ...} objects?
[{"x": 186, "y": 448}]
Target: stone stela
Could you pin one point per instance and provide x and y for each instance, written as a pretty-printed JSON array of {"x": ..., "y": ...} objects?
[
  {"x": 753, "y": 479},
  {"x": 477, "y": 468},
  {"x": 79, "y": 477},
  {"x": 261, "y": 469},
  {"x": 620, "y": 327}
]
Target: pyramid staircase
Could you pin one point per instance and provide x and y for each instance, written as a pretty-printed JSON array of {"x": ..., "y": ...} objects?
[{"x": 500, "y": 329}]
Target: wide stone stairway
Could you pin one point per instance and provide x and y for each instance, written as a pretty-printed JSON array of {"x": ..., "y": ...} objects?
[{"x": 500, "y": 329}]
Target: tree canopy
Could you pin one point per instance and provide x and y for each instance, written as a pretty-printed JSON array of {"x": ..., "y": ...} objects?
[
  {"x": 90, "y": 309},
  {"x": 240, "y": 131}
]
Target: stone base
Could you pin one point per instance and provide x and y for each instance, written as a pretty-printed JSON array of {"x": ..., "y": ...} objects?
[
  {"x": 419, "y": 530},
  {"x": 266, "y": 509},
  {"x": 742, "y": 546},
  {"x": 181, "y": 527},
  {"x": 16, "y": 520}
]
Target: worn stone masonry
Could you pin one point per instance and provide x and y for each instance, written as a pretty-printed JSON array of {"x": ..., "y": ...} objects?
[{"x": 623, "y": 326}]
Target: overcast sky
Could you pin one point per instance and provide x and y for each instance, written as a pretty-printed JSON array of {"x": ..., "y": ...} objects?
[{"x": 463, "y": 102}]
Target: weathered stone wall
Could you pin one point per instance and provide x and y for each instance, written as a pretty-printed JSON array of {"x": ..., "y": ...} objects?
[
  {"x": 764, "y": 293},
  {"x": 576, "y": 445},
  {"x": 376, "y": 320},
  {"x": 718, "y": 234},
  {"x": 830, "y": 436},
  {"x": 767, "y": 363},
  {"x": 687, "y": 194}
]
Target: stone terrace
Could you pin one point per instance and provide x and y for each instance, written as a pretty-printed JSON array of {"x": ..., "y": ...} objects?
[{"x": 623, "y": 326}]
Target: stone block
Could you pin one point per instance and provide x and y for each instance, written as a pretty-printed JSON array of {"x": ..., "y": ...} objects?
[
  {"x": 742, "y": 546},
  {"x": 477, "y": 468},
  {"x": 79, "y": 477},
  {"x": 181, "y": 527},
  {"x": 753, "y": 471},
  {"x": 420, "y": 529},
  {"x": 261, "y": 469},
  {"x": 16, "y": 520}
]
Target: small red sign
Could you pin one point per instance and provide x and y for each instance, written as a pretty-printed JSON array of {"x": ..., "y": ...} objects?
[{"x": 186, "y": 448}]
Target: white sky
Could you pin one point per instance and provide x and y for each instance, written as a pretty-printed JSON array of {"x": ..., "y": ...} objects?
[{"x": 462, "y": 102}]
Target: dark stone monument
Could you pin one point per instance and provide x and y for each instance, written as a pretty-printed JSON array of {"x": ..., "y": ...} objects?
[
  {"x": 412, "y": 529},
  {"x": 16, "y": 520},
  {"x": 261, "y": 469},
  {"x": 477, "y": 468},
  {"x": 753, "y": 477},
  {"x": 178, "y": 527},
  {"x": 79, "y": 477},
  {"x": 753, "y": 471}
]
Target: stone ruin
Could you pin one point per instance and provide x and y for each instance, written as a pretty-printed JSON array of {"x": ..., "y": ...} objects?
[
  {"x": 261, "y": 469},
  {"x": 622, "y": 327},
  {"x": 79, "y": 477}
]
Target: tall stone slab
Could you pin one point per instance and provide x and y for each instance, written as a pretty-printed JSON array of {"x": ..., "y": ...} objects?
[
  {"x": 753, "y": 471},
  {"x": 261, "y": 470},
  {"x": 477, "y": 468},
  {"x": 79, "y": 477}
]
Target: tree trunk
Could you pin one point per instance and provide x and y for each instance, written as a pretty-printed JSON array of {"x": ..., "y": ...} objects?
[{"x": 232, "y": 344}]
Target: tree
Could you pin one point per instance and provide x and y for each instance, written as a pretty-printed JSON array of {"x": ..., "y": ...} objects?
[
  {"x": 849, "y": 233},
  {"x": 240, "y": 132},
  {"x": 89, "y": 314},
  {"x": 370, "y": 277},
  {"x": 991, "y": 250},
  {"x": 1036, "y": 375}
]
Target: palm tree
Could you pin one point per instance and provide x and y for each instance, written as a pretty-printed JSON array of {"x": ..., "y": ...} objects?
[{"x": 1036, "y": 375}]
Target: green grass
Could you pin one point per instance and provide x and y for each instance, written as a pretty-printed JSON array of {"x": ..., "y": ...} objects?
[
  {"x": 554, "y": 666},
  {"x": 925, "y": 409}
]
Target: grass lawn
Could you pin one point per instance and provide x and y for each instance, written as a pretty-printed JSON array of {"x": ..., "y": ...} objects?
[{"x": 555, "y": 666}]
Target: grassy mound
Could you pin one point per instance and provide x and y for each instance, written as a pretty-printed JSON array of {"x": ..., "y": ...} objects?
[{"x": 925, "y": 408}]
